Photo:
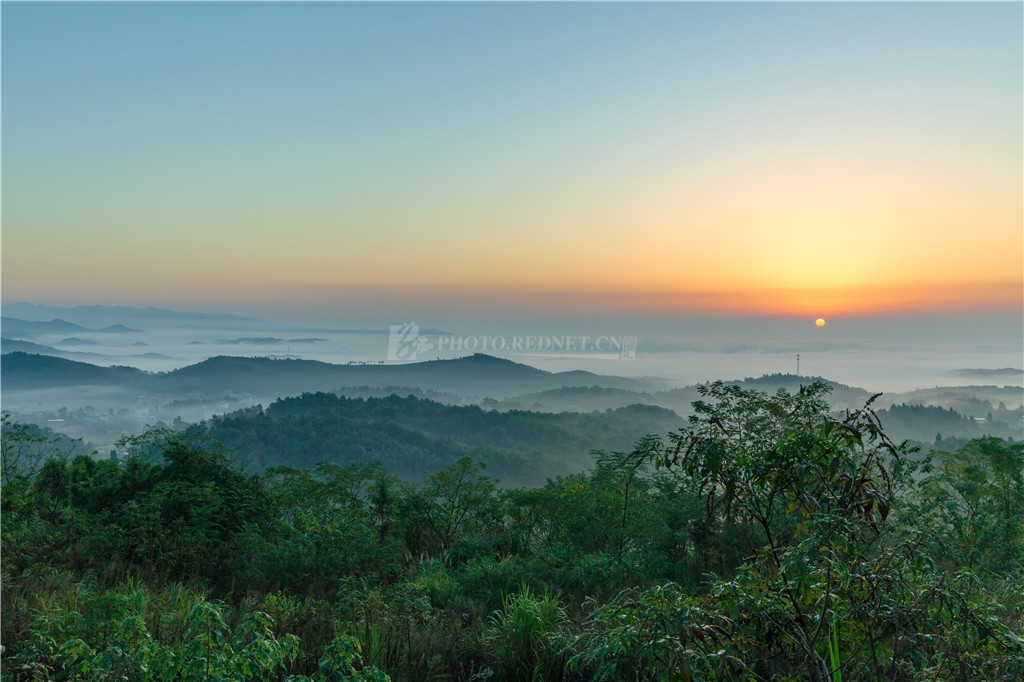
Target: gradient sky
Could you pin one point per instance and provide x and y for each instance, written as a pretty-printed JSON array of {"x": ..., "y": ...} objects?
[{"x": 820, "y": 159}]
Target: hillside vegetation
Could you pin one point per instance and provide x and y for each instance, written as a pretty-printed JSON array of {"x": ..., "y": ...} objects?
[
  {"x": 765, "y": 538},
  {"x": 412, "y": 436}
]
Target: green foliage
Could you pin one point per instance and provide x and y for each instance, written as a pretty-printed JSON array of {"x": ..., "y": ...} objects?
[
  {"x": 411, "y": 436},
  {"x": 769, "y": 538},
  {"x": 657, "y": 633},
  {"x": 323, "y": 528},
  {"x": 25, "y": 448},
  {"x": 921, "y": 421},
  {"x": 342, "y": 663},
  {"x": 975, "y": 501},
  {"x": 820, "y": 490},
  {"x": 523, "y": 637},
  {"x": 452, "y": 503},
  {"x": 110, "y": 639}
]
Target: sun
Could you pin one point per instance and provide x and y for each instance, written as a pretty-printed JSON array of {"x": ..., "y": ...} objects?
[{"x": 820, "y": 322}]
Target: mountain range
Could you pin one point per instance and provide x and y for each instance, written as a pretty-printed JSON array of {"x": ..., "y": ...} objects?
[
  {"x": 107, "y": 315},
  {"x": 475, "y": 375},
  {"x": 16, "y": 327}
]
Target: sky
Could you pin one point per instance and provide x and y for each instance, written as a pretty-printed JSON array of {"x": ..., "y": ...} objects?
[{"x": 765, "y": 159}]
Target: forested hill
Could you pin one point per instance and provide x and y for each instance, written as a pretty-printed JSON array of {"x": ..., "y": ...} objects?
[
  {"x": 27, "y": 371},
  {"x": 479, "y": 375},
  {"x": 412, "y": 436}
]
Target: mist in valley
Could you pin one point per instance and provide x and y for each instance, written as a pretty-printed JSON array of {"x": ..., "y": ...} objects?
[{"x": 976, "y": 361}]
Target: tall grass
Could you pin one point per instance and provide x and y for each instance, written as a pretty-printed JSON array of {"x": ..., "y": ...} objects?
[
  {"x": 520, "y": 637},
  {"x": 835, "y": 664}
]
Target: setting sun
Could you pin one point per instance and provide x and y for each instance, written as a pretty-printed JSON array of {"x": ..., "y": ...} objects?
[{"x": 820, "y": 322}]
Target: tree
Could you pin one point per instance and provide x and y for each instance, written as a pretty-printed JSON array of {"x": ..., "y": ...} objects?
[
  {"x": 25, "y": 448},
  {"x": 834, "y": 587},
  {"x": 975, "y": 502},
  {"x": 449, "y": 503},
  {"x": 188, "y": 505},
  {"x": 323, "y": 527}
]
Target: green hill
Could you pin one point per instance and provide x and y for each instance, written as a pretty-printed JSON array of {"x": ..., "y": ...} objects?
[{"x": 412, "y": 436}]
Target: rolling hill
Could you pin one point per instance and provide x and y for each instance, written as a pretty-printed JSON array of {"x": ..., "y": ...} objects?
[
  {"x": 411, "y": 436},
  {"x": 476, "y": 375}
]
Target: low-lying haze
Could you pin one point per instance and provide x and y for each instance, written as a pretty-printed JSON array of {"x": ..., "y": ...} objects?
[{"x": 883, "y": 354}]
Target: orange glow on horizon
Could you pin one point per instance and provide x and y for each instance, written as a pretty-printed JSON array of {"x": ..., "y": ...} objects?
[{"x": 851, "y": 302}]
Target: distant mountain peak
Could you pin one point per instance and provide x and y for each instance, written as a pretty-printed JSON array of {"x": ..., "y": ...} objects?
[
  {"x": 119, "y": 329},
  {"x": 485, "y": 358},
  {"x": 483, "y": 361},
  {"x": 16, "y": 327}
]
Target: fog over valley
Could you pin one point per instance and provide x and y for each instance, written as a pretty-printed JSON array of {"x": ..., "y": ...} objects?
[{"x": 186, "y": 372}]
